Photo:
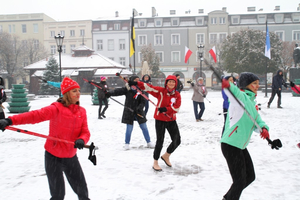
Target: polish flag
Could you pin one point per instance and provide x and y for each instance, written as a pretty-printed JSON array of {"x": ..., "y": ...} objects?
[
  {"x": 188, "y": 53},
  {"x": 213, "y": 53}
]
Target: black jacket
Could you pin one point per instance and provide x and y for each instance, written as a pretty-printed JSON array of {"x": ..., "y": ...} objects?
[
  {"x": 278, "y": 81},
  {"x": 134, "y": 101},
  {"x": 103, "y": 90}
]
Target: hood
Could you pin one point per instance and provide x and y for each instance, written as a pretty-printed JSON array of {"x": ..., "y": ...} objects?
[
  {"x": 171, "y": 77},
  {"x": 279, "y": 71},
  {"x": 143, "y": 78}
]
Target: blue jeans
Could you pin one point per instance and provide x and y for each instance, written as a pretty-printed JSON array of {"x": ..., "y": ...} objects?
[
  {"x": 198, "y": 115},
  {"x": 144, "y": 128}
]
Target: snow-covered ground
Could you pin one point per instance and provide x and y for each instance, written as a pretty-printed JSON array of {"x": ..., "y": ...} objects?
[{"x": 199, "y": 169}]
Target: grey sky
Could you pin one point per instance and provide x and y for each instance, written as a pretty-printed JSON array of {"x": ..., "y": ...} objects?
[{"x": 63, "y": 10}]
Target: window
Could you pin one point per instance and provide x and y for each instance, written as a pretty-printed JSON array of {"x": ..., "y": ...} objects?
[
  {"x": 222, "y": 20},
  {"x": 99, "y": 45},
  {"x": 35, "y": 28},
  {"x": 261, "y": 19},
  {"x": 296, "y": 35},
  {"x": 158, "y": 22},
  {"x": 36, "y": 44},
  {"x": 200, "y": 38},
  {"x": 63, "y": 48},
  {"x": 160, "y": 55},
  {"x": 52, "y": 33},
  {"x": 103, "y": 27},
  {"x": 278, "y": 18},
  {"x": 142, "y": 23},
  {"x": 72, "y": 33},
  {"x": 175, "y": 22},
  {"x": 296, "y": 18},
  {"x": 24, "y": 29},
  {"x": 235, "y": 20},
  {"x": 142, "y": 40},
  {"x": 175, "y": 56},
  {"x": 122, "y": 44},
  {"x": 158, "y": 40},
  {"x": 110, "y": 45},
  {"x": 222, "y": 37},
  {"x": 199, "y": 21},
  {"x": 62, "y": 33},
  {"x": 175, "y": 39},
  {"x": 212, "y": 38},
  {"x": 116, "y": 27},
  {"x": 280, "y": 35},
  {"x": 122, "y": 61},
  {"x": 72, "y": 46},
  {"x": 82, "y": 32},
  {"x": 213, "y": 20},
  {"x": 53, "y": 49},
  {"x": 11, "y": 28}
]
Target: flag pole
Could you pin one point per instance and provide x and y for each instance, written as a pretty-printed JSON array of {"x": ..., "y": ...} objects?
[{"x": 266, "y": 81}]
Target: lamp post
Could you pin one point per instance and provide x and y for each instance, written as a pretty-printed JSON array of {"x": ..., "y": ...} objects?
[
  {"x": 59, "y": 41},
  {"x": 200, "y": 54}
]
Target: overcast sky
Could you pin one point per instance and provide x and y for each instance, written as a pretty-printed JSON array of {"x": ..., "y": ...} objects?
[{"x": 64, "y": 10}]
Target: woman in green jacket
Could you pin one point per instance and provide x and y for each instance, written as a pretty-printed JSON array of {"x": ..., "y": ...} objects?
[{"x": 238, "y": 131}]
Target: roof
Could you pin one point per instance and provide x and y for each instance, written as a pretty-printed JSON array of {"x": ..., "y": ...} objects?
[{"x": 96, "y": 60}]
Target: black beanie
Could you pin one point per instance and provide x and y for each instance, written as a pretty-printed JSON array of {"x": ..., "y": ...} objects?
[
  {"x": 133, "y": 77},
  {"x": 246, "y": 78}
]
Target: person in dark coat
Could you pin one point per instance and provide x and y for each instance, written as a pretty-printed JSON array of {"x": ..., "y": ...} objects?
[
  {"x": 135, "y": 101},
  {"x": 146, "y": 79},
  {"x": 179, "y": 86},
  {"x": 2, "y": 98},
  {"x": 225, "y": 101},
  {"x": 277, "y": 83},
  {"x": 101, "y": 97}
]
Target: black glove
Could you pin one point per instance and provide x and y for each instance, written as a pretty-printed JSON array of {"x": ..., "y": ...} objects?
[
  {"x": 107, "y": 94},
  {"x": 204, "y": 96},
  {"x": 192, "y": 84},
  {"x": 118, "y": 74},
  {"x": 292, "y": 84},
  {"x": 79, "y": 144},
  {"x": 132, "y": 83},
  {"x": 163, "y": 109},
  {"x": 5, "y": 122},
  {"x": 189, "y": 81},
  {"x": 44, "y": 80}
]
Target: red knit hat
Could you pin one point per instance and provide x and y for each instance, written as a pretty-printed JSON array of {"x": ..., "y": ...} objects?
[{"x": 68, "y": 84}]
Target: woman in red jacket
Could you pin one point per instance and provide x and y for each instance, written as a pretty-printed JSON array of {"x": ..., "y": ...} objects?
[
  {"x": 168, "y": 103},
  {"x": 68, "y": 121}
]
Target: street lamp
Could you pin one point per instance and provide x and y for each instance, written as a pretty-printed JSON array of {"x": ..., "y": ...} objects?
[
  {"x": 59, "y": 41},
  {"x": 200, "y": 54}
]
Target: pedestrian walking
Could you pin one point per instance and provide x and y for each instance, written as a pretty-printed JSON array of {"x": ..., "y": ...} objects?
[
  {"x": 179, "y": 86},
  {"x": 277, "y": 83},
  {"x": 68, "y": 121},
  {"x": 168, "y": 104},
  {"x": 238, "y": 131},
  {"x": 2, "y": 98}
]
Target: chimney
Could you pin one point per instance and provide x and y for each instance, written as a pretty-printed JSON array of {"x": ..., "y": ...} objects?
[
  {"x": 140, "y": 14},
  {"x": 153, "y": 12},
  {"x": 224, "y": 9},
  {"x": 261, "y": 9},
  {"x": 172, "y": 12},
  {"x": 298, "y": 8},
  {"x": 200, "y": 11},
  {"x": 251, "y": 9},
  {"x": 277, "y": 8},
  {"x": 117, "y": 14}
]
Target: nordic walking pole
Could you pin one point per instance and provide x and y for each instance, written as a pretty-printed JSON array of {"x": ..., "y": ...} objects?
[
  {"x": 92, "y": 148},
  {"x": 274, "y": 144},
  {"x": 111, "y": 97},
  {"x": 147, "y": 98}
]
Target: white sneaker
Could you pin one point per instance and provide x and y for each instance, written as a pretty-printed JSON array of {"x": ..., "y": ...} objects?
[
  {"x": 150, "y": 145},
  {"x": 126, "y": 147}
]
